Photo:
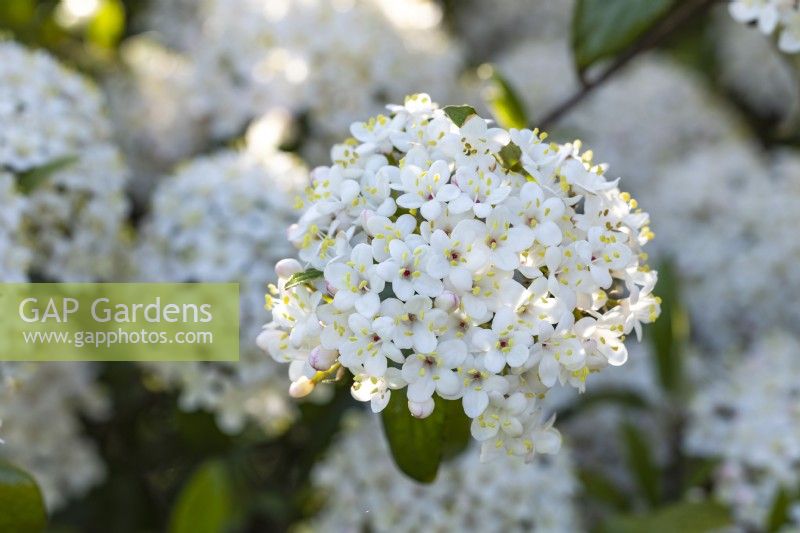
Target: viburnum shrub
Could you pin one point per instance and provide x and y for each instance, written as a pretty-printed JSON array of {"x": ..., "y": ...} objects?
[{"x": 443, "y": 259}]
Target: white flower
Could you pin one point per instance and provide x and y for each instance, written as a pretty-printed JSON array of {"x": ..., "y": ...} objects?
[
  {"x": 357, "y": 282},
  {"x": 416, "y": 323},
  {"x": 435, "y": 371},
  {"x": 504, "y": 344},
  {"x": 405, "y": 271},
  {"x": 370, "y": 345},
  {"x": 427, "y": 188}
]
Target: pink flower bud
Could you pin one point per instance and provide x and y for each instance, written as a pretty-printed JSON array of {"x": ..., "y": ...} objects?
[
  {"x": 422, "y": 409},
  {"x": 301, "y": 388},
  {"x": 285, "y": 268},
  {"x": 447, "y": 301},
  {"x": 322, "y": 359}
]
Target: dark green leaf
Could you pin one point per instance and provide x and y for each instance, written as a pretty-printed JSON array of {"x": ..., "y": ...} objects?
[
  {"x": 455, "y": 431},
  {"x": 507, "y": 108},
  {"x": 30, "y": 180},
  {"x": 303, "y": 277},
  {"x": 604, "y": 28},
  {"x": 641, "y": 463},
  {"x": 670, "y": 332},
  {"x": 459, "y": 113},
  {"x": 685, "y": 517},
  {"x": 419, "y": 445},
  {"x": 416, "y": 444},
  {"x": 205, "y": 505},
  {"x": 21, "y": 505},
  {"x": 779, "y": 513},
  {"x": 601, "y": 488}
]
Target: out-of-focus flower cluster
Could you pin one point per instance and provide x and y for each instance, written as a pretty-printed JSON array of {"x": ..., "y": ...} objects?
[
  {"x": 223, "y": 218},
  {"x": 41, "y": 405},
  {"x": 327, "y": 60},
  {"x": 365, "y": 491},
  {"x": 780, "y": 17},
  {"x": 463, "y": 261},
  {"x": 751, "y": 421},
  {"x": 56, "y": 143}
]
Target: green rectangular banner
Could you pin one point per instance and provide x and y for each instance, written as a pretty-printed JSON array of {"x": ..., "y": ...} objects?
[{"x": 119, "y": 322}]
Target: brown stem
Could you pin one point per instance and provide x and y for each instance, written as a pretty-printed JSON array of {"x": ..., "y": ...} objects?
[{"x": 666, "y": 27}]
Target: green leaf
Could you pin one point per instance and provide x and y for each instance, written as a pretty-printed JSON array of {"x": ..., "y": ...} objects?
[
  {"x": 599, "y": 487},
  {"x": 205, "y": 504},
  {"x": 456, "y": 434},
  {"x": 604, "y": 28},
  {"x": 670, "y": 332},
  {"x": 685, "y": 517},
  {"x": 303, "y": 277},
  {"x": 108, "y": 24},
  {"x": 779, "y": 513},
  {"x": 21, "y": 504},
  {"x": 502, "y": 100},
  {"x": 419, "y": 445},
  {"x": 459, "y": 113},
  {"x": 510, "y": 156},
  {"x": 641, "y": 463},
  {"x": 32, "y": 179}
]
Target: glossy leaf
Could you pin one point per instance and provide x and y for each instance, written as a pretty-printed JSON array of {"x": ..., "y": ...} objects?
[
  {"x": 303, "y": 277},
  {"x": 604, "y": 28},
  {"x": 21, "y": 504},
  {"x": 419, "y": 445},
  {"x": 205, "y": 505},
  {"x": 459, "y": 113}
]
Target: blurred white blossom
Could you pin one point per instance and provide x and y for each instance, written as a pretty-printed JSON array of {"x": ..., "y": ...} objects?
[
  {"x": 54, "y": 124},
  {"x": 363, "y": 490},
  {"x": 779, "y": 17},
  {"x": 41, "y": 405},
  {"x": 749, "y": 418},
  {"x": 223, "y": 218}
]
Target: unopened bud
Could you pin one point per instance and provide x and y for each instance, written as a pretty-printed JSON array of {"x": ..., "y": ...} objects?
[
  {"x": 322, "y": 359},
  {"x": 262, "y": 341},
  {"x": 421, "y": 409},
  {"x": 366, "y": 214},
  {"x": 447, "y": 301},
  {"x": 285, "y": 268},
  {"x": 301, "y": 388}
]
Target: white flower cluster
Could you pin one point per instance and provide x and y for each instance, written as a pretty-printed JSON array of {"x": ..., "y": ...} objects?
[
  {"x": 365, "y": 491},
  {"x": 446, "y": 266},
  {"x": 14, "y": 255},
  {"x": 40, "y": 407},
  {"x": 328, "y": 60},
  {"x": 53, "y": 123},
  {"x": 223, "y": 218},
  {"x": 771, "y": 16},
  {"x": 750, "y": 420}
]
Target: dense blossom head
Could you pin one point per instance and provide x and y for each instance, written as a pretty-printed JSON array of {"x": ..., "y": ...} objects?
[
  {"x": 364, "y": 491},
  {"x": 749, "y": 418},
  {"x": 771, "y": 16},
  {"x": 223, "y": 218},
  {"x": 41, "y": 406},
  {"x": 56, "y": 142},
  {"x": 463, "y": 261}
]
